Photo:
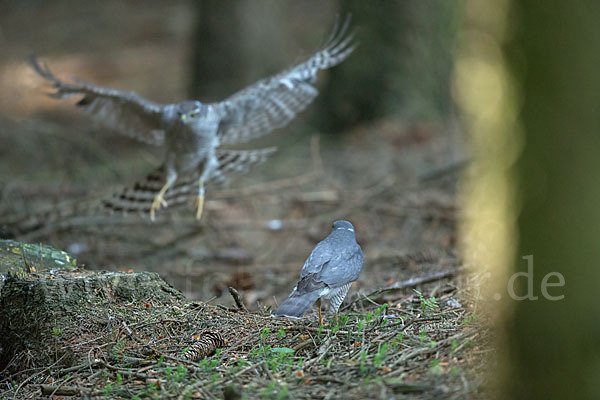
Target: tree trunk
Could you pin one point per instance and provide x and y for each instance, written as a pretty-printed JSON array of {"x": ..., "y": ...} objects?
[
  {"x": 402, "y": 66},
  {"x": 527, "y": 78},
  {"x": 216, "y": 50},
  {"x": 554, "y": 340}
]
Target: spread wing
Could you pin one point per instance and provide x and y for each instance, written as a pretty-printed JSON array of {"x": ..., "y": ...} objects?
[
  {"x": 125, "y": 112},
  {"x": 273, "y": 102}
]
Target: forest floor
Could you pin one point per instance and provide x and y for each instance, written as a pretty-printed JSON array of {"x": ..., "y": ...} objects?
[
  {"x": 395, "y": 341},
  {"x": 410, "y": 326}
]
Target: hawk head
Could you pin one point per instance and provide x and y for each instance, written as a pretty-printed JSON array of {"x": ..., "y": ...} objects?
[
  {"x": 189, "y": 110},
  {"x": 343, "y": 225}
]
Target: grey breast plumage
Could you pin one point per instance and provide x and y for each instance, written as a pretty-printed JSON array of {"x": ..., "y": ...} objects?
[
  {"x": 192, "y": 131},
  {"x": 327, "y": 274}
]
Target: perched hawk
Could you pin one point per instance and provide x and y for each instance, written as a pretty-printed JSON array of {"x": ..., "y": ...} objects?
[
  {"x": 328, "y": 273},
  {"x": 192, "y": 132}
]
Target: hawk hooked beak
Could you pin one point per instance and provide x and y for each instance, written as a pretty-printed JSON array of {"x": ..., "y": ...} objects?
[{"x": 183, "y": 117}]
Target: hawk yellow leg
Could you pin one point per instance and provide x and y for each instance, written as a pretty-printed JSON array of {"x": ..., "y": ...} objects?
[
  {"x": 159, "y": 200},
  {"x": 320, "y": 316},
  {"x": 200, "y": 198}
]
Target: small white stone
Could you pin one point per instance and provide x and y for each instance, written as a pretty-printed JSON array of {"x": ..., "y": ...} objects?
[{"x": 275, "y": 224}]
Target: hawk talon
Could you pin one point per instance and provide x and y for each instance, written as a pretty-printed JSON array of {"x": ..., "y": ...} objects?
[
  {"x": 320, "y": 316},
  {"x": 159, "y": 201},
  {"x": 156, "y": 204},
  {"x": 200, "y": 207},
  {"x": 200, "y": 198}
]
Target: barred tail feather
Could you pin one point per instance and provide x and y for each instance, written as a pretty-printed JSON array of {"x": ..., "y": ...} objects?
[
  {"x": 297, "y": 304},
  {"x": 139, "y": 197},
  {"x": 238, "y": 161}
]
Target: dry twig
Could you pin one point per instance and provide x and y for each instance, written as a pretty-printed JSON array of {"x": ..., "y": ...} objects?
[{"x": 238, "y": 299}]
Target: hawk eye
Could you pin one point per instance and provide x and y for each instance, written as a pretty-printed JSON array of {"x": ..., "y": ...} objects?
[{"x": 193, "y": 115}]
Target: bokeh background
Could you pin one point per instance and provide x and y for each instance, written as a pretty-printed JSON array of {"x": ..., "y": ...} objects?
[{"x": 380, "y": 146}]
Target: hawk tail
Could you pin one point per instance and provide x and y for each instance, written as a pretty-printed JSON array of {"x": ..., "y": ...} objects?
[
  {"x": 139, "y": 196},
  {"x": 238, "y": 161},
  {"x": 297, "y": 304}
]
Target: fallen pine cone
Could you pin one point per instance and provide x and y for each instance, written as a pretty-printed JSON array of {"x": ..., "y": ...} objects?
[{"x": 206, "y": 345}]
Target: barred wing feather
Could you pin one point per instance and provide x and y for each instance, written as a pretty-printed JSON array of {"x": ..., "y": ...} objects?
[
  {"x": 273, "y": 102},
  {"x": 125, "y": 112}
]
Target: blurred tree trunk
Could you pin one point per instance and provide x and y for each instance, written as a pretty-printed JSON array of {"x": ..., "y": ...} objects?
[
  {"x": 216, "y": 49},
  {"x": 555, "y": 345},
  {"x": 403, "y": 65}
]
